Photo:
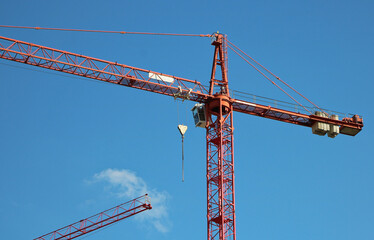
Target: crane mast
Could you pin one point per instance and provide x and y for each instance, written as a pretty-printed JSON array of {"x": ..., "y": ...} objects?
[
  {"x": 220, "y": 154},
  {"x": 214, "y": 113},
  {"x": 100, "y": 220}
]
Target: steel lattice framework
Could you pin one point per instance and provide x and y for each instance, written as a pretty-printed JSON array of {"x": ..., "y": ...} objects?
[
  {"x": 100, "y": 220},
  {"x": 219, "y": 107},
  {"x": 124, "y": 75},
  {"x": 220, "y": 154},
  {"x": 220, "y": 178}
]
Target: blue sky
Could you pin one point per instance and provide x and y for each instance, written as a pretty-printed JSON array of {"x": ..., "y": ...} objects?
[{"x": 63, "y": 137}]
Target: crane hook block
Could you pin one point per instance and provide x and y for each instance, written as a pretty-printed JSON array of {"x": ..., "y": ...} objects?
[{"x": 182, "y": 129}]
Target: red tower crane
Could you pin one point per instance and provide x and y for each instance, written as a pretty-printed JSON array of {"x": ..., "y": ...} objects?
[
  {"x": 100, "y": 220},
  {"x": 214, "y": 112}
]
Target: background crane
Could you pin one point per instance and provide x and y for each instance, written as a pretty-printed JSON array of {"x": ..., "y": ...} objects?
[
  {"x": 303, "y": 166},
  {"x": 100, "y": 220}
]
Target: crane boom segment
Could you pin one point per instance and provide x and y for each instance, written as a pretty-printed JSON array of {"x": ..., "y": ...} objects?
[
  {"x": 102, "y": 70},
  {"x": 294, "y": 117},
  {"x": 113, "y": 72},
  {"x": 100, "y": 220}
]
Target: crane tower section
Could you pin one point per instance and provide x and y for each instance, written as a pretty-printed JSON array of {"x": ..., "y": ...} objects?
[{"x": 220, "y": 154}]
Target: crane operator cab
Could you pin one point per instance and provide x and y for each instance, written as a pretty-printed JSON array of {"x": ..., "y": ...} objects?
[{"x": 198, "y": 112}]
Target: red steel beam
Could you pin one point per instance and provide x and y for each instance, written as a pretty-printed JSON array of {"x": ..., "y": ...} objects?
[
  {"x": 220, "y": 176},
  {"x": 112, "y": 72},
  {"x": 102, "y": 70},
  {"x": 294, "y": 117},
  {"x": 100, "y": 220},
  {"x": 220, "y": 151}
]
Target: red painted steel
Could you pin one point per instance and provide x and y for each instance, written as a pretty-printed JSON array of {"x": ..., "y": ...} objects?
[
  {"x": 220, "y": 153},
  {"x": 98, "y": 69},
  {"x": 138, "y": 78},
  {"x": 219, "y": 110},
  {"x": 100, "y": 220},
  {"x": 294, "y": 117},
  {"x": 220, "y": 177}
]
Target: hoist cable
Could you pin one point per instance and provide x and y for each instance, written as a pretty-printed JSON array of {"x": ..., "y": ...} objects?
[
  {"x": 102, "y": 31},
  {"x": 182, "y": 158},
  {"x": 177, "y": 111}
]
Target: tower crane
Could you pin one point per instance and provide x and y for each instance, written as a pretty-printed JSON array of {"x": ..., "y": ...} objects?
[
  {"x": 213, "y": 111},
  {"x": 100, "y": 220}
]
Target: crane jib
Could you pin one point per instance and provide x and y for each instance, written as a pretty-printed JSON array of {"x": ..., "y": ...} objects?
[
  {"x": 142, "y": 79},
  {"x": 348, "y": 126}
]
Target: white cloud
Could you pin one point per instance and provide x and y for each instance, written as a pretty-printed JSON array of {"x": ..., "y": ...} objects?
[{"x": 126, "y": 184}]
